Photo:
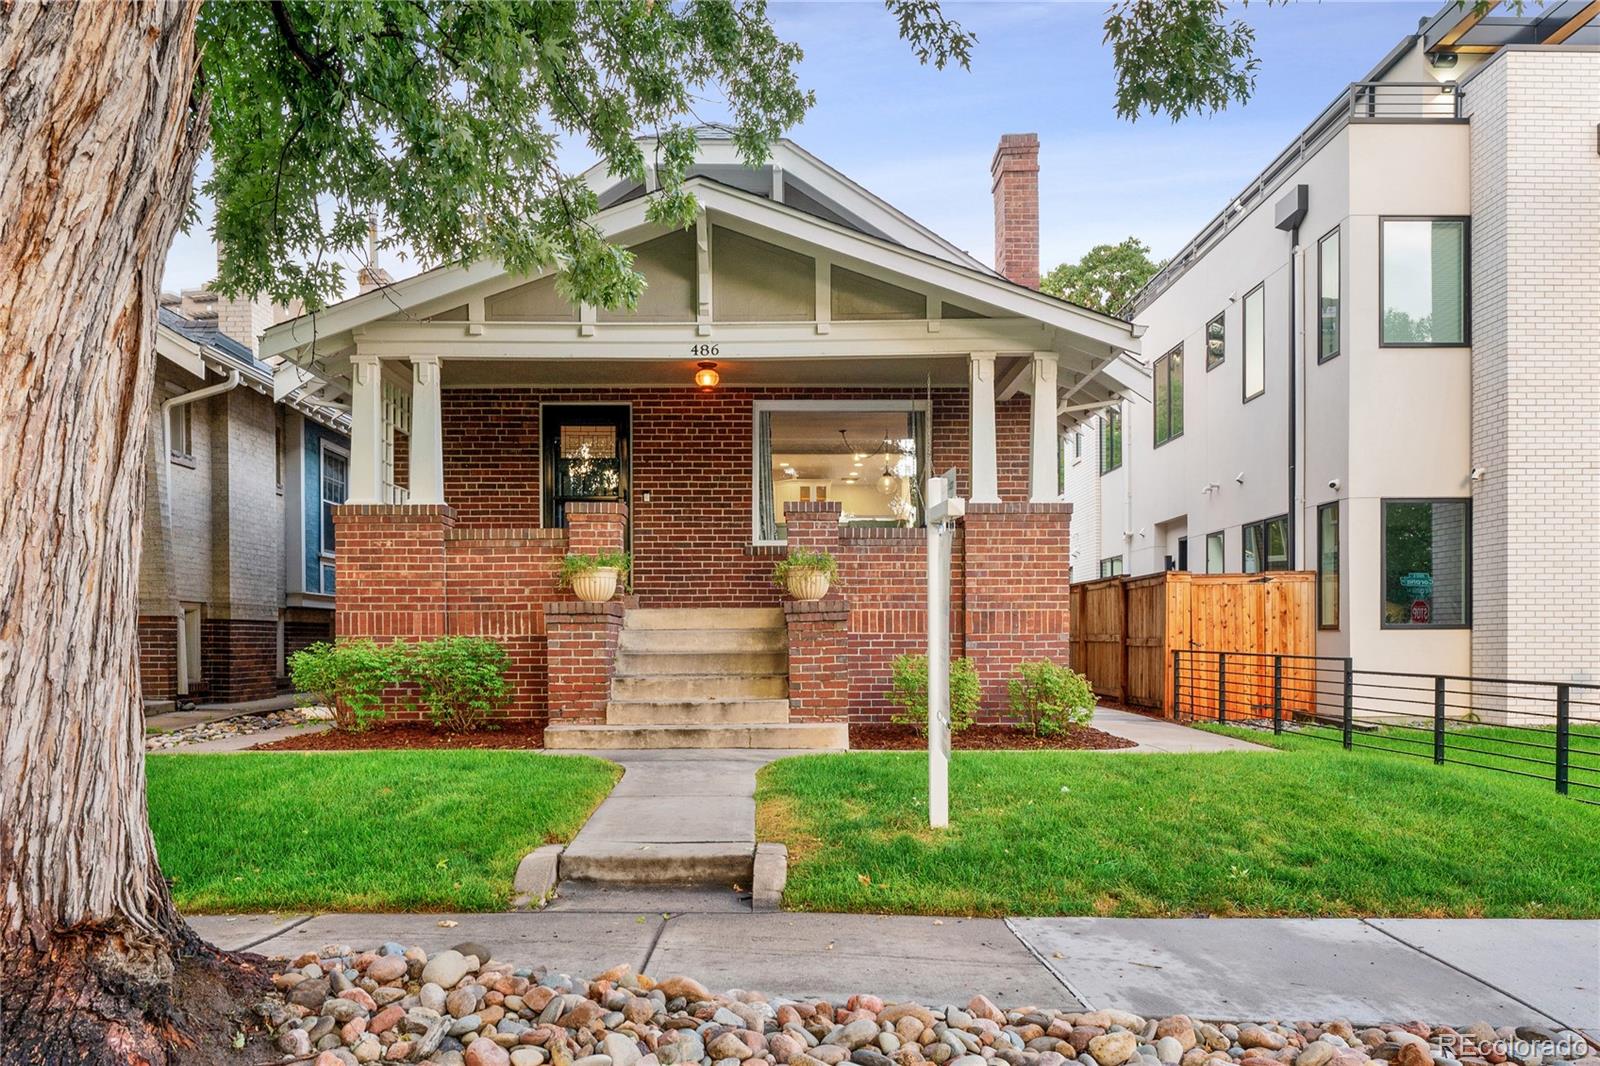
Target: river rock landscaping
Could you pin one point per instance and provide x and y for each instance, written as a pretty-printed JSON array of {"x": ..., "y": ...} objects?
[
  {"x": 244, "y": 725},
  {"x": 397, "y": 1004}
]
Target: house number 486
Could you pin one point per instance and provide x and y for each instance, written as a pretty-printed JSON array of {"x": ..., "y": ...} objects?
[{"x": 704, "y": 351}]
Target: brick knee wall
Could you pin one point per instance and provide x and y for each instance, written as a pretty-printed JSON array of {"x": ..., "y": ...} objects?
[
  {"x": 158, "y": 656},
  {"x": 301, "y": 634},
  {"x": 819, "y": 660},
  {"x": 581, "y": 641},
  {"x": 1018, "y": 578},
  {"x": 239, "y": 658}
]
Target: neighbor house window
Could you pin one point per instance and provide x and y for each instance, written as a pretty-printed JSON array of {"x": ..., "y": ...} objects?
[
  {"x": 181, "y": 444},
  {"x": 1216, "y": 341},
  {"x": 1266, "y": 545},
  {"x": 1215, "y": 559},
  {"x": 866, "y": 457},
  {"x": 1077, "y": 445},
  {"x": 1111, "y": 566},
  {"x": 1169, "y": 396},
  {"x": 1328, "y": 566},
  {"x": 1422, "y": 281},
  {"x": 1426, "y": 562},
  {"x": 335, "y": 488},
  {"x": 1328, "y": 331},
  {"x": 1255, "y": 342},
  {"x": 1110, "y": 441}
]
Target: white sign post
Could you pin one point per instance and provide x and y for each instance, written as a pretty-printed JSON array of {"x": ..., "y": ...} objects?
[{"x": 942, "y": 511}]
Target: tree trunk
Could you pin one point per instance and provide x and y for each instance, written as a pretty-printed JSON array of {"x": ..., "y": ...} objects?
[{"x": 101, "y": 138}]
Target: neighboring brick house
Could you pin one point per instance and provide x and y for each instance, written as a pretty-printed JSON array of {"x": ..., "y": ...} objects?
[
  {"x": 497, "y": 427},
  {"x": 234, "y": 574}
]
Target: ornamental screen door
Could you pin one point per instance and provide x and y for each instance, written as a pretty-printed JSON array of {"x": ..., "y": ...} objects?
[{"x": 585, "y": 458}]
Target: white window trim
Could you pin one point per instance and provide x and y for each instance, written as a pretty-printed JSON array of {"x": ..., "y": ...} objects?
[
  {"x": 322, "y": 457},
  {"x": 759, "y": 407}
]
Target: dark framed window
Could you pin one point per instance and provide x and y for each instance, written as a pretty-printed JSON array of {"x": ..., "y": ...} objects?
[
  {"x": 1328, "y": 566},
  {"x": 335, "y": 488},
  {"x": 1169, "y": 396},
  {"x": 1216, "y": 341},
  {"x": 1216, "y": 553},
  {"x": 1110, "y": 440},
  {"x": 1183, "y": 553},
  {"x": 1329, "y": 329},
  {"x": 1427, "y": 564},
  {"x": 181, "y": 432},
  {"x": 1255, "y": 342},
  {"x": 1077, "y": 444},
  {"x": 1423, "y": 288},
  {"x": 1111, "y": 566},
  {"x": 1266, "y": 545}
]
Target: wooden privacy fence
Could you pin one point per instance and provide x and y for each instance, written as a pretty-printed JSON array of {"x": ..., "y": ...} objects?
[{"x": 1125, "y": 629}]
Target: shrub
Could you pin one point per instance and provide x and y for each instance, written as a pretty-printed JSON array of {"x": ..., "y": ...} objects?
[
  {"x": 804, "y": 559},
  {"x": 349, "y": 677},
  {"x": 909, "y": 691},
  {"x": 461, "y": 681},
  {"x": 1049, "y": 698},
  {"x": 573, "y": 565}
]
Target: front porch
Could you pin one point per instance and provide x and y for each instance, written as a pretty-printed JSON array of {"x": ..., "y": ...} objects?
[{"x": 497, "y": 427}]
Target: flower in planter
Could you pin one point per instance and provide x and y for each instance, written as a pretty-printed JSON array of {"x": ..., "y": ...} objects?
[
  {"x": 594, "y": 577},
  {"x": 806, "y": 574}
]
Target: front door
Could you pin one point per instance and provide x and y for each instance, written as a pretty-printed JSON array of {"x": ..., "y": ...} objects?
[{"x": 585, "y": 457}]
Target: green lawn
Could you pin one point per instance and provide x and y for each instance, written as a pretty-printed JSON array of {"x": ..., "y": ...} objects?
[
  {"x": 364, "y": 831},
  {"x": 1308, "y": 830}
]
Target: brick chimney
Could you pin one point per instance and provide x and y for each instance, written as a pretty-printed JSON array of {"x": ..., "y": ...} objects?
[{"x": 1015, "y": 171}]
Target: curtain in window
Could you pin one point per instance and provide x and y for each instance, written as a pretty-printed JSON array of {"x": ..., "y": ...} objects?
[
  {"x": 924, "y": 469},
  {"x": 764, "y": 506}
]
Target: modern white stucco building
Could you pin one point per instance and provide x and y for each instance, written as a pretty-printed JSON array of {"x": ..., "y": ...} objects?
[{"x": 1381, "y": 361}]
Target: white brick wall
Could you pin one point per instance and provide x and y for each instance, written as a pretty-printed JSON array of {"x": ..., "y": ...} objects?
[{"x": 1536, "y": 364}]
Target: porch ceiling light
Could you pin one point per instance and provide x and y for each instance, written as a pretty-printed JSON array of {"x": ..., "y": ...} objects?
[{"x": 707, "y": 377}]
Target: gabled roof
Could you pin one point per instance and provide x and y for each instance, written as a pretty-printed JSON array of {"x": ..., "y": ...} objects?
[
  {"x": 198, "y": 345},
  {"x": 794, "y": 176}
]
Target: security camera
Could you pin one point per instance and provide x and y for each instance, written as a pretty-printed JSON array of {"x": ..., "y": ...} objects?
[
  {"x": 1333, "y": 483},
  {"x": 1477, "y": 473}
]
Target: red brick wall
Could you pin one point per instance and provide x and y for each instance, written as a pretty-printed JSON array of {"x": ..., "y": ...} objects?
[
  {"x": 299, "y": 634},
  {"x": 1017, "y": 588},
  {"x": 819, "y": 660},
  {"x": 582, "y": 645},
  {"x": 1015, "y": 182},
  {"x": 158, "y": 656},
  {"x": 483, "y": 565},
  {"x": 239, "y": 658},
  {"x": 1014, "y": 455},
  {"x": 690, "y": 453}
]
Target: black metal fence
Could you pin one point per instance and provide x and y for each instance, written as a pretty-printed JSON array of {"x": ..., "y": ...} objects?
[{"x": 1546, "y": 730}]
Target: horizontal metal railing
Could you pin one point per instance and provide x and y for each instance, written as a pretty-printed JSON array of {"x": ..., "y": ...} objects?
[
  {"x": 1547, "y": 730},
  {"x": 1361, "y": 101}
]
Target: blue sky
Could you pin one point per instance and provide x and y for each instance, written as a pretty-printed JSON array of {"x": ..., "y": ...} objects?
[{"x": 923, "y": 138}]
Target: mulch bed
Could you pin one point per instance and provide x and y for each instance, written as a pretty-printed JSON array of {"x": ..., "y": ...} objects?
[
  {"x": 412, "y": 735},
  {"x": 984, "y": 738}
]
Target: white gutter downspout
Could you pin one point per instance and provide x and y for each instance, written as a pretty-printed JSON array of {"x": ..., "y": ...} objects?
[{"x": 228, "y": 384}]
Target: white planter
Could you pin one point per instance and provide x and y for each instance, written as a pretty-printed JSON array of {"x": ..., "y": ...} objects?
[
  {"x": 807, "y": 584},
  {"x": 597, "y": 585}
]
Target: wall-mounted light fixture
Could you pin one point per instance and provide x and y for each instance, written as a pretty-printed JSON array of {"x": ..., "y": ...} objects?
[{"x": 707, "y": 377}]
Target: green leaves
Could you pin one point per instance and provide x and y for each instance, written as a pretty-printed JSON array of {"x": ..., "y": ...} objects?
[
  {"x": 1106, "y": 278},
  {"x": 908, "y": 690},
  {"x": 1180, "y": 57},
  {"x": 443, "y": 118},
  {"x": 1049, "y": 698}
]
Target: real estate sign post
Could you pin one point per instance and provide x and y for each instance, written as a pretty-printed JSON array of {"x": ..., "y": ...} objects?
[{"x": 942, "y": 511}]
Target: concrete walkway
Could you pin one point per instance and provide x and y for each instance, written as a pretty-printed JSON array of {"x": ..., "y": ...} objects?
[
  {"x": 1540, "y": 973},
  {"x": 677, "y": 816},
  {"x": 1160, "y": 735}
]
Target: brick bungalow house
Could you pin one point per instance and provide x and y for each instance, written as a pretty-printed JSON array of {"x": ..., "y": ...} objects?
[
  {"x": 497, "y": 427},
  {"x": 237, "y": 567}
]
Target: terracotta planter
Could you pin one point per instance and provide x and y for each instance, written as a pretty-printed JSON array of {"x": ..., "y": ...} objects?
[
  {"x": 807, "y": 584},
  {"x": 597, "y": 585}
]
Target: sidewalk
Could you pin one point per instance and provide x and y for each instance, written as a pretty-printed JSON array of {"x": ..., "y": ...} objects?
[{"x": 1540, "y": 973}]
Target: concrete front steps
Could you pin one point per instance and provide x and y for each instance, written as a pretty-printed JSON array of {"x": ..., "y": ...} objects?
[{"x": 700, "y": 678}]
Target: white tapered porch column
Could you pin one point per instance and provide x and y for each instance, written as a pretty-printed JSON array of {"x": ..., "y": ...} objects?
[
  {"x": 984, "y": 449},
  {"x": 1045, "y": 437},
  {"x": 427, "y": 432},
  {"x": 366, "y": 430}
]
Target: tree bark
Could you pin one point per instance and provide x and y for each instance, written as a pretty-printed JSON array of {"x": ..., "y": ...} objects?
[{"x": 102, "y": 132}]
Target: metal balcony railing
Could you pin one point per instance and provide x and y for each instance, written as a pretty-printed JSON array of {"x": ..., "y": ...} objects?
[{"x": 1361, "y": 101}]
